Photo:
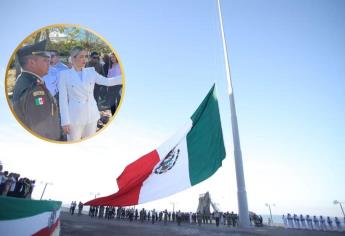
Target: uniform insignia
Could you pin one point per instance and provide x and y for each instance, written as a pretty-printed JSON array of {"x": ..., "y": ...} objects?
[
  {"x": 38, "y": 93},
  {"x": 39, "y": 101},
  {"x": 168, "y": 162}
]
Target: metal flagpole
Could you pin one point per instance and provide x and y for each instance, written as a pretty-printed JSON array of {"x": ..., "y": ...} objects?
[{"x": 241, "y": 187}]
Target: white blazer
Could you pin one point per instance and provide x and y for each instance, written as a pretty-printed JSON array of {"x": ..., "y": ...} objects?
[{"x": 76, "y": 100}]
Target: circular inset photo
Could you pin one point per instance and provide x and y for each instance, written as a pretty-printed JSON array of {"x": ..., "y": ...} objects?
[{"x": 64, "y": 83}]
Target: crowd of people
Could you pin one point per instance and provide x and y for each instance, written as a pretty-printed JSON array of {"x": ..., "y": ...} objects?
[
  {"x": 66, "y": 102},
  {"x": 73, "y": 207},
  {"x": 312, "y": 223},
  {"x": 165, "y": 216},
  {"x": 153, "y": 216},
  {"x": 12, "y": 185},
  {"x": 218, "y": 218}
]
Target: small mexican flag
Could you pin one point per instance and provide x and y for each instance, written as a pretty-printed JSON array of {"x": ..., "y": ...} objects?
[
  {"x": 39, "y": 101},
  {"x": 20, "y": 217},
  {"x": 192, "y": 155}
]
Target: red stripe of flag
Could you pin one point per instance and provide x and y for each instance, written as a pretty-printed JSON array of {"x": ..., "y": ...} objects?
[
  {"x": 47, "y": 231},
  {"x": 129, "y": 182}
]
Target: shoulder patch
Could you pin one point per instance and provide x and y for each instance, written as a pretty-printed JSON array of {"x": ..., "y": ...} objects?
[
  {"x": 40, "y": 101},
  {"x": 38, "y": 93}
]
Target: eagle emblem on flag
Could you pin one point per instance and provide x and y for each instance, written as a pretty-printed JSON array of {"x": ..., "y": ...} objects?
[{"x": 168, "y": 161}]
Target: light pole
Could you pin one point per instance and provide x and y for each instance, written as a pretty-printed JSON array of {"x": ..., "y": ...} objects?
[
  {"x": 269, "y": 207},
  {"x": 173, "y": 203},
  {"x": 96, "y": 194},
  {"x": 342, "y": 209},
  {"x": 44, "y": 189}
]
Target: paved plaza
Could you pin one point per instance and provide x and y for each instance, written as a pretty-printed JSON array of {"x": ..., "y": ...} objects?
[{"x": 85, "y": 226}]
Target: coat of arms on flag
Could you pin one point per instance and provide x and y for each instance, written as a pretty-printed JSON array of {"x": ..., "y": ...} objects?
[
  {"x": 193, "y": 154},
  {"x": 168, "y": 162}
]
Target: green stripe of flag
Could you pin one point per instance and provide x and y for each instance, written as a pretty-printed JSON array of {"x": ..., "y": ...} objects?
[
  {"x": 15, "y": 208},
  {"x": 205, "y": 143}
]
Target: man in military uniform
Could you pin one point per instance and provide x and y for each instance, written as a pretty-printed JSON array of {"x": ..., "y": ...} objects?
[
  {"x": 100, "y": 91},
  {"x": 32, "y": 102}
]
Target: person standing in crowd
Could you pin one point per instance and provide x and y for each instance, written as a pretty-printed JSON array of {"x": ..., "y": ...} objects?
[
  {"x": 165, "y": 216},
  {"x": 80, "y": 208},
  {"x": 52, "y": 78},
  {"x": 323, "y": 223},
  {"x": 72, "y": 207},
  {"x": 330, "y": 223},
  {"x": 316, "y": 223},
  {"x": 78, "y": 108},
  {"x": 10, "y": 185},
  {"x": 26, "y": 188},
  {"x": 302, "y": 219},
  {"x": 309, "y": 222},
  {"x": 3, "y": 180},
  {"x": 337, "y": 223},
  {"x": 96, "y": 211},
  {"x": 216, "y": 216},
  {"x": 290, "y": 221},
  {"x": 179, "y": 217},
  {"x": 285, "y": 221},
  {"x": 296, "y": 221},
  {"x": 148, "y": 215},
  {"x": 51, "y": 81},
  {"x": 56, "y": 62},
  {"x": 141, "y": 215},
  {"x": 173, "y": 216},
  {"x": 19, "y": 189},
  {"x": 153, "y": 216},
  {"x": 33, "y": 104},
  {"x": 100, "y": 91},
  {"x": 31, "y": 189},
  {"x": 106, "y": 64},
  {"x": 199, "y": 217},
  {"x": 131, "y": 214},
  {"x": 114, "y": 92},
  {"x": 101, "y": 212}
]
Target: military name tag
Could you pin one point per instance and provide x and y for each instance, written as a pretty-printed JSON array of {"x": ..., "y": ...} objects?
[
  {"x": 38, "y": 93},
  {"x": 39, "y": 101}
]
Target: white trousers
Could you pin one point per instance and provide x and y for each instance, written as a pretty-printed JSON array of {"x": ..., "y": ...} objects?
[{"x": 78, "y": 132}]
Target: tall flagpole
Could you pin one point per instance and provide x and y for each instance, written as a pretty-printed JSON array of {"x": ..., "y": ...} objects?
[{"x": 241, "y": 187}]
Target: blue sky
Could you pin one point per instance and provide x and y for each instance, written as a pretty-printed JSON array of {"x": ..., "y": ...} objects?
[{"x": 288, "y": 70}]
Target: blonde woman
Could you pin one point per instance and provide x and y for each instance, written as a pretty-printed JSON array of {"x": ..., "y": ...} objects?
[{"x": 78, "y": 108}]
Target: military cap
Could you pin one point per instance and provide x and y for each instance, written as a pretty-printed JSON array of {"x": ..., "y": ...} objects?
[{"x": 34, "y": 49}]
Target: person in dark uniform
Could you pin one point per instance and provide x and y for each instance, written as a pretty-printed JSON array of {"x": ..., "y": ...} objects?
[
  {"x": 99, "y": 91},
  {"x": 32, "y": 102},
  {"x": 114, "y": 92}
]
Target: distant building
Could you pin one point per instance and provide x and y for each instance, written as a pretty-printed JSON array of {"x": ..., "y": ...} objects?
[{"x": 56, "y": 36}]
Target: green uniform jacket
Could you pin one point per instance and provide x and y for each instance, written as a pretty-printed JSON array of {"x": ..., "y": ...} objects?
[{"x": 35, "y": 107}]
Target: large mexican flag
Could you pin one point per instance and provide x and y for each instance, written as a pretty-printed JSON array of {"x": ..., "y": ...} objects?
[
  {"x": 24, "y": 217},
  {"x": 192, "y": 155}
]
